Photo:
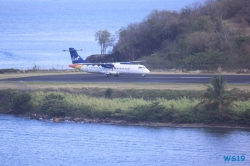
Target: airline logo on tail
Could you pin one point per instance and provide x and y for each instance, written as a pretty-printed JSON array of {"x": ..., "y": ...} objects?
[{"x": 75, "y": 59}]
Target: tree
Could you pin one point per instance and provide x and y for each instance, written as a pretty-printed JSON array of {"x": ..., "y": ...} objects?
[
  {"x": 216, "y": 97},
  {"x": 105, "y": 39}
]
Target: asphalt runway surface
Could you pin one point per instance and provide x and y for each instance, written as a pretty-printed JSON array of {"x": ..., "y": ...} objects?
[{"x": 134, "y": 78}]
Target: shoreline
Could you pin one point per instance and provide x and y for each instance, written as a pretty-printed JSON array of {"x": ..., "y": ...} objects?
[
  {"x": 73, "y": 107},
  {"x": 111, "y": 121}
]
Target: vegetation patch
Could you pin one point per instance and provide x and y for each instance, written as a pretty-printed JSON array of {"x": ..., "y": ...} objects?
[
  {"x": 213, "y": 35},
  {"x": 180, "y": 107},
  {"x": 2, "y": 71},
  {"x": 53, "y": 105}
]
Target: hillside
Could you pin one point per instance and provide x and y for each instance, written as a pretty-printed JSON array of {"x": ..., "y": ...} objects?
[
  {"x": 237, "y": 25},
  {"x": 210, "y": 34}
]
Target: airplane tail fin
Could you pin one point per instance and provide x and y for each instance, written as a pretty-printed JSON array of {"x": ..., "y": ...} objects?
[{"x": 75, "y": 57}]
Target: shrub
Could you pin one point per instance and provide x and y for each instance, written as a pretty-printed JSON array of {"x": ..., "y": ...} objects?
[
  {"x": 101, "y": 114},
  {"x": 21, "y": 103},
  {"x": 5, "y": 100},
  {"x": 152, "y": 112},
  {"x": 54, "y": 105},
  {"x": 2, "y": 71},
  {"x": 244, "y": 118},
  {"x": 118, "y": 114},
  {"x": 84, "y": 111},
  {"x": 108, "y": 93}
]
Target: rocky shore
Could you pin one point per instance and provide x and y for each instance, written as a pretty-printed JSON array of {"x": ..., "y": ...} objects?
[{"x": 124, "y": 122}]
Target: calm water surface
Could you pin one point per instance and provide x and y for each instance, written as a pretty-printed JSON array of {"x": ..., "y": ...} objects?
[{"x": 32, "y": 142}]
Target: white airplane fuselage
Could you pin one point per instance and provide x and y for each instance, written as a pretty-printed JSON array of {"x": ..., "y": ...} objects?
[{"x": 118, "y": 69}]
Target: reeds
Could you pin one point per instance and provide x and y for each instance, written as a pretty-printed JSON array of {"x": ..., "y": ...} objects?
[
  {"x": 177, "y": 110},
  {"x": 76, "y": 101}
]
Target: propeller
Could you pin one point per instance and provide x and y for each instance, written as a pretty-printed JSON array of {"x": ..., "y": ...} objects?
[{"x": 72, "y": 50}]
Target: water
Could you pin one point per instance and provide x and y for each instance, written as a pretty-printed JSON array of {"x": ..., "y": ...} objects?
[
  {"x": 36, "y": 32},
  {"x": 31, "y": 142}
]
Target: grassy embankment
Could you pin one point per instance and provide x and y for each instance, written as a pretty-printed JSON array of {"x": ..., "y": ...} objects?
[{"x": 144, "y": 103}]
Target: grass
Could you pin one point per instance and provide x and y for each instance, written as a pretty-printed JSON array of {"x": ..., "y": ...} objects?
[
  {"x": 181, "y": 110},
  {"x": 71, "y": 86},
  {"x": 56, "y": 85},
  {"x": 37, "y": 73},
  {"x": 78, "y": 101}
]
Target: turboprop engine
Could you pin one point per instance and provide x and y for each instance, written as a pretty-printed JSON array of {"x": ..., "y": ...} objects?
[{"x": 108, "y": 65}]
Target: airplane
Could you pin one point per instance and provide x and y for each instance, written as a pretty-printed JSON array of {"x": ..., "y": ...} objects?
[{"x": 110, "y": 68}]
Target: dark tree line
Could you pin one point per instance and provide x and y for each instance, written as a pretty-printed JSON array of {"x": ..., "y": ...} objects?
[{"x": 213, "y": 32}]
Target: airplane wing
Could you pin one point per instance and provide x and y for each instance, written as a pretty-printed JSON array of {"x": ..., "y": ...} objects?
[
  {"x": 111, "y": 64},
  {"x": 132, "y": 62}
]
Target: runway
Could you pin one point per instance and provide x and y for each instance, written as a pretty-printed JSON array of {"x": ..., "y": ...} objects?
[{"x": 150, "y": 78}]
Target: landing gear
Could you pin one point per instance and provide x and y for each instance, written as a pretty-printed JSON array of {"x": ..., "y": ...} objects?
[
  {"x": 143, "y": 75},
  {"x": 116, "y": 75}
]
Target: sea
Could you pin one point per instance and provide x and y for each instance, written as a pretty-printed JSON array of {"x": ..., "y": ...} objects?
[
  {"x": 26, "y": 142},
  {"x": 35, "y": 32}
]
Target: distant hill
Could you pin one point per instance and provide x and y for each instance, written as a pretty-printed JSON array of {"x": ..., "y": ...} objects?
[
  {"x": 238, "y": 25},
  {"x": 97, "y": 58},
  {"x": 216, "y": 32}
]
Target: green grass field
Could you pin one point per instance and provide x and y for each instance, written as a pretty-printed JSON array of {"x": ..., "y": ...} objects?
[{"x": 56, "y": 85}]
